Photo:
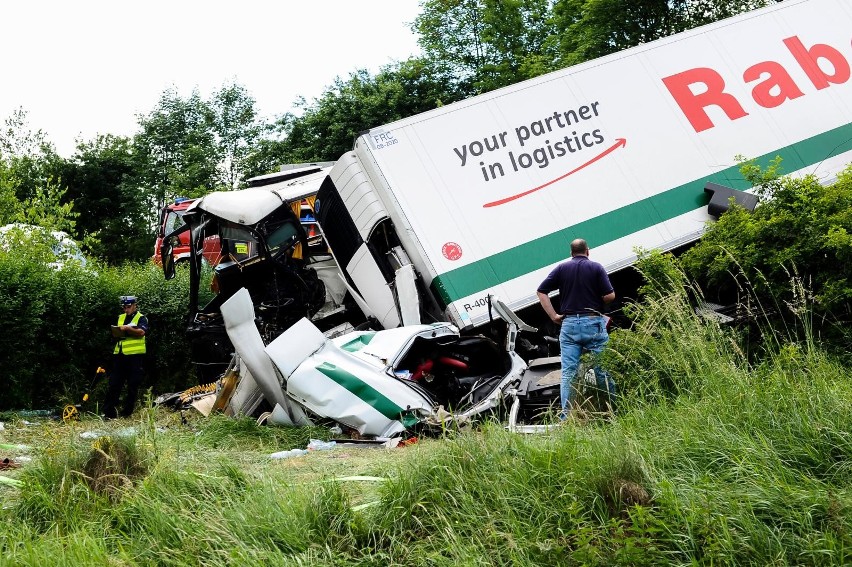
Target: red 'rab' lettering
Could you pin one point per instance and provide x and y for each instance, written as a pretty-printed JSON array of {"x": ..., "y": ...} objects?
[{"x": 776, "y": 87}]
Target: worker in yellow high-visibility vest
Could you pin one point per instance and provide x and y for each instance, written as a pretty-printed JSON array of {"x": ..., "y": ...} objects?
[{"x": 128, "y": 358}]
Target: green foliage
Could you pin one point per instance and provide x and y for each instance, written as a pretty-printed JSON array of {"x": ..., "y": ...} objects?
[
  {"x": 234, "y": 121},
  {"x": 669, "y": 350},
  {"x": 61, "y": 319},
  {"x": 799, "y": 232},
  {"x": 117, "y": 211},
  {"x": 17, "y": 140},
  {"x": 222, "y": 431},
  {"x": 10, "y": 206},
  {"x": 175, "y": 148},
  {"x": 661, "y": 273},
  {"x": 486, "y": 44},
  {"x": 47, "y": 209},
  {"x": 586, "y": 29},
  {"x": 327, "y": 128},
  {"x": 188, "y": 147}
]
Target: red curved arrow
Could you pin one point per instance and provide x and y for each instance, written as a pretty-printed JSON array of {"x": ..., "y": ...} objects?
[{"x": 619, "y": 142}]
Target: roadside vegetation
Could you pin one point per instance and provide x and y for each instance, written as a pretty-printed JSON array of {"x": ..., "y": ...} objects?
[
  {"x": 57, "y": 324},
  {"x": 712, "y": 459},
  {"x": 730, "y": 444}
]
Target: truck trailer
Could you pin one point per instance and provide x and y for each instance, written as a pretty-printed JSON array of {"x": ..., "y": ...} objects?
[{"x": 430, "y": 217}]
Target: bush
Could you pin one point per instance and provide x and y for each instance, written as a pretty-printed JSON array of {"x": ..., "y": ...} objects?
[
  {"x": 57, "y": 328},
  {"x": 800, "y": 232}
]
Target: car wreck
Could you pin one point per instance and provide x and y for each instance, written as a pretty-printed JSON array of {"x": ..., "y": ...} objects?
[
  {"x": 277, "y": 333},
  {"x": 255, "y": 239},
  {"x": 417, "y": 379}
]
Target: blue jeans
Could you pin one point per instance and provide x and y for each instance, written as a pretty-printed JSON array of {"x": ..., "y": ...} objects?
[{"x": 578, "y": 335}]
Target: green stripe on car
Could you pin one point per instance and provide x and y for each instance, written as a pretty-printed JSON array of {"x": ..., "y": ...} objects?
[
  {"x": 364, "y": 391},
  {"x": 358, "y": 342}
]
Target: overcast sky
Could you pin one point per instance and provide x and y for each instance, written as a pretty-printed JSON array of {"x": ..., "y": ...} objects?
[{"x": 84, "y": 67}]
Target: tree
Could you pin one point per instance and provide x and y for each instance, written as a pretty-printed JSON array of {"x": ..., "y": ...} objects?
[
  {"x": 593, "y": 28},
  {"x": 327, "y": 128},
  {"x": 49, "y": 209},
  {"x": 31, "y": 189},
  {"x": 118, "y": 208},
  {"x": 9, "y": 203},
  {"x": 176, "y": 149},
  {"x": 486, "y": 44},
  {"x": 237, "y": 131},
  {"x": 29, "y": 157},
  {"x": 17, "y": 140}
]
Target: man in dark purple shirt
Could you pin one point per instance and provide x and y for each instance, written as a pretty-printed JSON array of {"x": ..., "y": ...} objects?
[{"x": 584, "y": 290}]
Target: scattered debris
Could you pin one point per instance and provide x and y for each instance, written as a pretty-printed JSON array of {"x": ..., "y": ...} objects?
[
  {"x": 123, "y": 432},
  {"x": 96, "y": 434},
  {"x": 714, "y": 311},
  {"x": 319, "y": 445},
  {"x": 8, "y": 464},
  {"x": 288, "y": 454}
]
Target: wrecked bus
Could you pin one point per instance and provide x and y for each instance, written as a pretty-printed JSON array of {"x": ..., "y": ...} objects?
[{"x": 255, "y": 239}]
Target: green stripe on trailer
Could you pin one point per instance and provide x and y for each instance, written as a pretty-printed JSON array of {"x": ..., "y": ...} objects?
[
  {"x": 364, "y": 391},
  {"x": 550, "y": 249}
]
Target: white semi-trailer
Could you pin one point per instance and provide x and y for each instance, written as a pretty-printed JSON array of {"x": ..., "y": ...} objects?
[{"x": 430, "y": 215}]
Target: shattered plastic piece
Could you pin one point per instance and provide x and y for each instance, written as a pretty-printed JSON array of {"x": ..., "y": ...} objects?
[
  {"x": 92, "y": 434},
  {"x": 378, "y": 442},
  {"x": 319, "y": 445},
  {"x": 288, "y": 454},
  {"x": 123, "y": 432},
  {"x": 336, "y": 430},
  {"x": 35, "y": 413}
]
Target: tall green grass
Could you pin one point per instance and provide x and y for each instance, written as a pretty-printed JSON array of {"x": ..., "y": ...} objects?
[{"x": 714, "y": 458}]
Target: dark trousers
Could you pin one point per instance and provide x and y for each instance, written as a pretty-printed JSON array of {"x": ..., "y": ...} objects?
[{"x": 126, "y": 369}]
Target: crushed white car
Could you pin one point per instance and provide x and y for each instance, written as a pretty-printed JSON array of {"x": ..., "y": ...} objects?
[{"x": 376, "y": 383}]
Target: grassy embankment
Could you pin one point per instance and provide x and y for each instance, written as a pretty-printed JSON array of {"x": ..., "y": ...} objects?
[{"x": 712, "y": 460}]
